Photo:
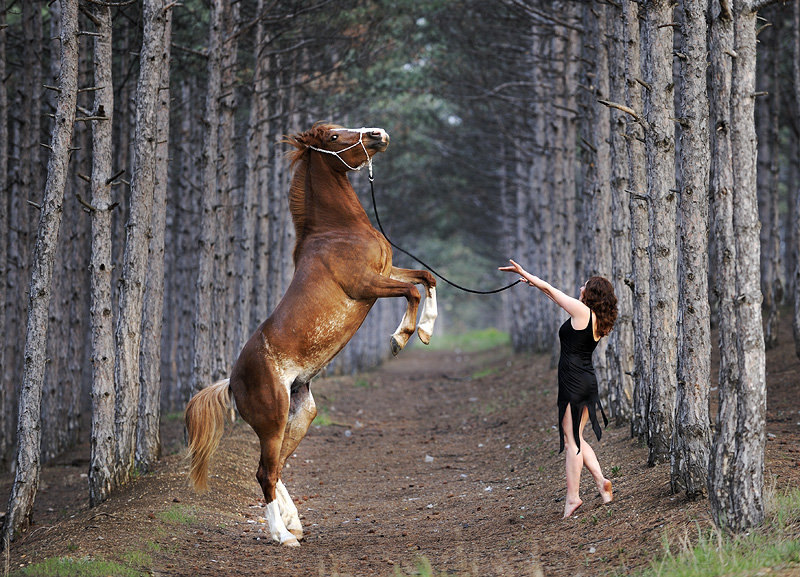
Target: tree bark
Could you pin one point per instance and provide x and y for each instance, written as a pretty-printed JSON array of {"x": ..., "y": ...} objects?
[
  {"x": 638, "y": 204},
  {"x": 622, "y": 337},
  {"x": 721, "y": 51},
  {"x": 148, "y": 441},
  {"x": 5, "y": 434},
  {"x": 690, "y": 443},
  {"x": 129, "y": 322},
  {"x": 748, "y": 477},
  {"x": 657, "y": 47},
  {"x": 255, "y": 168},
  {"x": 597, "y": 197},
  {"x": 201, "y": 364},
  {"x": 26, "y": 482},
  {"x": 796, "y": 222},
  {"x": 103, "y": 443}
]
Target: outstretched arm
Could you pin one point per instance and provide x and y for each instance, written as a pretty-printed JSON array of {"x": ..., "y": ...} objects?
[{"x": 575, "y": 308}]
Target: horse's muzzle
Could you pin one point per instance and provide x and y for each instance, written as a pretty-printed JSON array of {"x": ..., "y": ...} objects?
[{"x": 377, "y": 139}]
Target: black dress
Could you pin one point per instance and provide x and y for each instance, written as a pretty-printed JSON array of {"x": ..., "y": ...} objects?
[{"x": 577, "y": 384}]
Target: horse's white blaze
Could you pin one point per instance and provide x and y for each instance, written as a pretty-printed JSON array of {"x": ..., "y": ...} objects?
[
  {"x": 288, "y": 510},
  {"x": 428, "y": 315},
  {"x": 277, "y": 529}
]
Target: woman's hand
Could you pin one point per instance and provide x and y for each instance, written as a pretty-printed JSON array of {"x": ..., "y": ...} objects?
[{"x": 515, "y": 267}]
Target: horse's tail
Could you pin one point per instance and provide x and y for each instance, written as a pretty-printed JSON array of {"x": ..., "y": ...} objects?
[{"x": 205, "y": 423}]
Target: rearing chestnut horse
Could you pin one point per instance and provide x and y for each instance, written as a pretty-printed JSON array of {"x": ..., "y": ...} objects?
[{"x": 342, "y": 266}]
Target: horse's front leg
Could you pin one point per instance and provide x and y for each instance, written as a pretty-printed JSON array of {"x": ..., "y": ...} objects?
[
  {"x": 382, "y": 287},
  {"x": 429, "y": 309}
]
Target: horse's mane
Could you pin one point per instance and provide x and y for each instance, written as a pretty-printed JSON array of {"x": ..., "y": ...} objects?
[{"x": 299, "y": 163}]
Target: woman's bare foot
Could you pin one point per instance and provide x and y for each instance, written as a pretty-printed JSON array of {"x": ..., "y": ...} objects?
[
  {"x": 606, "y": 491},
  {"x": 571, "y": 506}
]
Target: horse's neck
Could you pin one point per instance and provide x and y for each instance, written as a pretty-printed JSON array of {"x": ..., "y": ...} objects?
[{"x": 329, "y": 200}]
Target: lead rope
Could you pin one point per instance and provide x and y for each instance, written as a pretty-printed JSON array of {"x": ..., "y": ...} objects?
[
  {"x": 427, "y": 266},
  {"x": 368, "y": 162}
]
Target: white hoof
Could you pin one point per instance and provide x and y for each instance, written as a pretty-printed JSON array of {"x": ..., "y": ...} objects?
[
  {"x": 425, "y": 337},
  {"x": 291, "y": 542}
]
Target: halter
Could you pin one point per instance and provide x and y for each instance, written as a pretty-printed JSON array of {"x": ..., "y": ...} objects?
[{"x": 336, "y": 153}]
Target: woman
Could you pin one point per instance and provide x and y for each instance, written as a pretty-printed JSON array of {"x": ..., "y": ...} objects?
[{"x": 592, "y": 316}]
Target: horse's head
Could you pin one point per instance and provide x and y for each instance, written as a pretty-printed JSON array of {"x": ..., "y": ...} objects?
[{"x": 343, "y": 148}]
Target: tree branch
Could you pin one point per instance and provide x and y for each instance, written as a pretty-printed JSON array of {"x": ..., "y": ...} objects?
[{"x": 621, "y": 107}]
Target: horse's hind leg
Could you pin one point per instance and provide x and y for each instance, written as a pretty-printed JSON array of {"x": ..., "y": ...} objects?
[
  {"x": 302, "y": 411},
  {"x": 268, "y": 476}
]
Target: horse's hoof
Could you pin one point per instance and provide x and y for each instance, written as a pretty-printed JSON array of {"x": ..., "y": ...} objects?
[
  {"x": 424, "y": 336},
  {"x": 291, "y": 542},
  {"x": 396, "y": 348},
  {"x": 298, "y": 533}
]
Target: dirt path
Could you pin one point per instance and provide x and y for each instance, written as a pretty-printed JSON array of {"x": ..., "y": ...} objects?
[{"x": 439, "y": 457}]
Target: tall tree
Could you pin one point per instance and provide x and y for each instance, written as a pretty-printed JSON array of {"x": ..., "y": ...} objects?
[
  {"x": 223, "y": 300},
  {"x": 796, "y": 223},
  {"x": 721, "y": 51},
  {"x": 148, "y": 437},
  {"x": 129, "y": 321},
  {"x": 4, "y": 196},
  {"x": 202, "y": 355},
  {"x": 748, "y": 469},
  {"x": 657, "y": 48},
  {"x": 622, "y": 337},
  {"x": 639, "y": 207},
  {"x": 26, "y": 481},
  {"x": 690, "y": 442},
  {"x": 254, "y": 182},
  {"x": 597, "y": 224},
  {"x": 103, "y": 439}
]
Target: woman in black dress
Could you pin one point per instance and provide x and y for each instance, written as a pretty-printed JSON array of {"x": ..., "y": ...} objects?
[{"x": 592, "y": 316}]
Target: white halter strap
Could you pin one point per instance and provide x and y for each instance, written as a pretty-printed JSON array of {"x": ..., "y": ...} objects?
[{"x": 336, "y": 153}]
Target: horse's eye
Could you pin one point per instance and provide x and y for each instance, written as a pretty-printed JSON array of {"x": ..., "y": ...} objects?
[{"x": 334, "y": 137}]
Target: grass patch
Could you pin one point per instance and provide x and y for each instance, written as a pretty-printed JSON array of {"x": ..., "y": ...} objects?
[
  {"x": 323, "y": 418},
  {"x": 485, "y": 372},
  {"x": 137, "y": 559},
  {"x": 178, "y": 515},
  {"x": 471, "y": 342},
  {"x": 774, "y": 545},
  {"x": 69, "y": 567}
]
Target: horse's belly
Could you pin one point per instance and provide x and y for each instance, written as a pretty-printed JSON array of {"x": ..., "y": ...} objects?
[{"x": 310, "y": 343}]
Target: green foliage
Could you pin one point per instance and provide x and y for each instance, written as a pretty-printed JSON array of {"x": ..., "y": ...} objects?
[
  {"x": 472, "y": 341},
  {"x": 69, "y": 567}
]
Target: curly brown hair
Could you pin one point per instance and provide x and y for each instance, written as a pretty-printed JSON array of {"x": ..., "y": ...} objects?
[{"x": 599, "y": 296}]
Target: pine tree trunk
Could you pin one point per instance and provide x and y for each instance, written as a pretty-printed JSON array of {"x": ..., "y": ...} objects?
[
  {"x": 148, "y": 442},
  {"x": 201, "y": 365},
  {"x": 597, "y": 196},
  {"x": 129, "y": 322},
  {"x": 621, "y": 338},
  {"x": 103, "y": 445},
  {"x": 26, "y": 482},
  {"x": 224, "y": 277},
  {"x": 254, "y": 168},
  {"x": 660, "y": 151},
  {"x": 5, "y": 433},
  {"x": 773, "y": 289},
  {"x": 689, "y": 465},
  {"x": 748, "y": 477},
  {"x": 722, "y": 186},
  {"x": 23, "y": 179},
  {"x": 638, "y": 205},
  {"x": 796, "y": 222}
]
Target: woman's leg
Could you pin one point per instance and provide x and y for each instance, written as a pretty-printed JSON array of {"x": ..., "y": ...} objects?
[
  {"x": 591, "y": 462},
  {"x": 574, "y": 464}
]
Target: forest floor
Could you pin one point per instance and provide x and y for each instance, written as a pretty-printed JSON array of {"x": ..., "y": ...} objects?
[{"x": 441, "y": 458}]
